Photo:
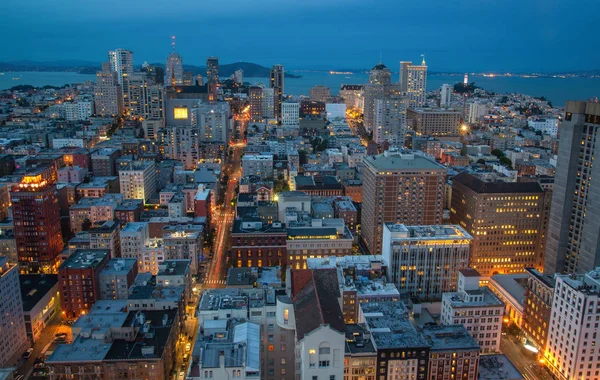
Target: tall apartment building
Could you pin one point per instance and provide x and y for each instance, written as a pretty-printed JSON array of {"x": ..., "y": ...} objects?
[
  {"x": 108, "y": 93},
  {"x": 320, "y": 93},
  {"x": 315, "y": 241},
  {"x": 477, "y": 308},
  {"x": 446, "y": 92},
  {"x": 214, "y": 122},
  {"x": 400, "y": 187},
  {"x": 212, "y": 70},
  {"x": 435, "y": 121},
  {"x": 573, "y": 233},
  {"x": 424, "y": 261},
  {"x": 476, "y": 112},
  {"x": 508, "y": 222},
  {"x": 290, "y": 113},
  {"x": 78, "y": 278},
  {"x": 277, "y": 82},
  {"x": 537, "y": 307},
  {"x": 104, "y": 162},
  {"x": 269, "y": 98},
  {"x": 413, "y": 79},
  {"x": 137, "y": 180},
  {"x": 181, "y": 243},
  {"x": 13, "y": 340},
  {"x": 379, "y": 82},
  {"x": 174, "y": 70},
  {"x": 36, "y": 217},
  {"x": 255, "y": 97},
  {"x": 121, "y": 62},
  {"x": 116, "y": 278},
  {"x": 573, "y": 339},
  {"x": 390, "y": 120}
]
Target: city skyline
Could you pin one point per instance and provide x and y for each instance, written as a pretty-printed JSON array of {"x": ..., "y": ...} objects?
[{"x": 94, "y": 29}]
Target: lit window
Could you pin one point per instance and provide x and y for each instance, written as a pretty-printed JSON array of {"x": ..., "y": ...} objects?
[{"x": 180, "y": 113}]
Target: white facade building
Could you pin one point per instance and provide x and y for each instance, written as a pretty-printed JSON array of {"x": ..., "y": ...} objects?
[
  {"x": 81, "y": 110},
  {"x": 476, "y": 111},
  {"x": 133, "y": 239},
  {"x": 416, "y": 82},
  {"x": 424, "y": 261},
  {"x": 174, "y": 70},
  {"x": 446, "y": 95},
  {"x": 573, "y": 338},
  {"x": 335, "y": 110},
  {"x": 137, "y": 180},
  {"x": 268, "y": 103},
  {"x": 121, "y": 62},
  {"x": 477, "y": 308},
  {"x": 547, "y": 126},
  {"x": 63, "y": 143}
]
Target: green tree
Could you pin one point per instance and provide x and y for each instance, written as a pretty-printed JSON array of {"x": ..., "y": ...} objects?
[
  {"x": 506, "y": 162},
  {"x": 498, "y": 153},
  {"x": 302, "y": 157}
]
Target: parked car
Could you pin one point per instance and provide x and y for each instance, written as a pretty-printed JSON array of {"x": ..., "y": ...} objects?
[{"x": 27, "y": 354}]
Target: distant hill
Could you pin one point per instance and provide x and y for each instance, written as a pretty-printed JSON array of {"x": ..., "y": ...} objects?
[
  {"x": 250, "y": 70},
  {"x": 85, "y": 67}
]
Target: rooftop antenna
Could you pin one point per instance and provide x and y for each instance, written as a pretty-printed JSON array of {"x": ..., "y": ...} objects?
[
  {"x": 173, "y": 42},
  {"x": 423, "y": 61}
]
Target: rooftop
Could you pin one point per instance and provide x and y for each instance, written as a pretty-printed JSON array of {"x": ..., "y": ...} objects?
[
  {"x": 497, "y": 187},
  {"x": 452, "y": 337},
  {"x": 513, "y": 284},
  {"x": 85, "y": 258},
  {"x": 428, "y": 232},
  {"x": 497, "y": 367},
  {"x": 174, "y": 267},
  {"x": 390, "y": 325},
  {"x": 34, "y": 287},
  {"x": 402, "y": 160},
  {"x": 458, "y": 300},
  {"x": 118, "y": 266}
]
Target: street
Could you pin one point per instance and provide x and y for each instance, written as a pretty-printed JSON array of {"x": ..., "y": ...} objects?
[
  {"x": 223, "y": 220},
  {"x": 44, "y": 343},
  {"x": 525, "y": 360}
]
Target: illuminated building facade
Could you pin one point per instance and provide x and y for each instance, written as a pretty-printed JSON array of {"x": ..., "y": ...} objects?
[
  {"x": 121, "y": 62},
  {"x": 36, "y": 216},
  {"x": 108, "y": 93},
  {"x": 573, "y": 338},
  {"x": 276, "y": 82},
  {"x": 257, "y": 244},
  {"x": 508, "y": 222},
  {"x": 435, "y": 121},
  {"x": 320, "y": 93},
  {"x": 573, "y": 238},
  {"x": 390, "y": 120},
  {"x": 174, "y": 69},
  {"x": 399, "y": 187},
  {"x": 255, "y": 95},
  {"x": 413, "y": 79},
  {"x": 424, "y": 260},
  {"x": 78, "y": 278},
  {"x": 316, "y": 242},
  {"x": 137, "y": 180},
  {"x": 537, "y": 307},
  {"x": 13, "y": 339}
]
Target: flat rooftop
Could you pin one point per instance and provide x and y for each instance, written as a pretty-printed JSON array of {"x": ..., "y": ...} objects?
[
  {"x": 452, "y": 337},
  {"x": 34, "y": 287},
  {"x": 405, "y": 161},
  {"x": 85, "y": 258},
  {"x": 174, "y": 267},
  {"x": 429, "y": 232},
  {"x": 497, "y": 367},
  {"x": 390, "y": 325},
  {"x": 456, "y": 300}
]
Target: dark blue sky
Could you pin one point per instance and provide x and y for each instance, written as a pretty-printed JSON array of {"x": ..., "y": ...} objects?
[{"x": 457, "y": 35}]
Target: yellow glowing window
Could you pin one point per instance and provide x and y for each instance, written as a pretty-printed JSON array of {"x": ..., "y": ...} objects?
[{"x": 180, "y": 113}]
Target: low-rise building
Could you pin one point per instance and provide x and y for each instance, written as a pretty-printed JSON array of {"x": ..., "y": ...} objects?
[
  {"x": 41, "y": 302},
  {"x": 116, "y": 278},
  {"x": 453, "y": 353},
  {"x": 477, "y": 308},
  {"x": 537, "y": 307}
]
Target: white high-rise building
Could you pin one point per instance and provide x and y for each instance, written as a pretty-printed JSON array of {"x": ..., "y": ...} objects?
[
  {"x": 290, "y": 113},
  {"x": 573, "y": 339},
  {"x": 13, "y": 339},
  {"x": 390, "y": 120},
  {"x": 424, "y": 260},
  {"x": 413, "y": 79},
  {"x": 214, "y": 121},
  {"x": 446, "y": 95},
  {"x": 174, "y": 70},
  {"x": 121, "y": 62},
  {"x": 238, "y": 76},
  {"x": 137, "y": 180}
]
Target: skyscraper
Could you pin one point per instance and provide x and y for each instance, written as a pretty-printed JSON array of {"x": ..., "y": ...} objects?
[
  {"x": 574, "y": 228},
  {"x": 276, "y": 82},
  {"x": 400, "y": 187},
  {"x": 121, "y": 62},
  {"x": 174, "y": 69},
  {"x": 413, "y": 79},
  {"x": 212, "y": 70},
  {"x": 379, "y": 80},
  {"x": 108, "y": 95},
  {"x": 37, "y": 223},
  {"x": 14, "y": 334},
  {"x": 255, "y": 95}
]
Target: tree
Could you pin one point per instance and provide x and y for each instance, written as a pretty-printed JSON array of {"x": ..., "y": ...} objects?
[
  {"x": 539, "y": 133},
  {"x": 506, "y": 162},
  {"x": 86, "y": 224},
  {"x": 302, "y": 157},
  {"x": 498, "y": 153}
]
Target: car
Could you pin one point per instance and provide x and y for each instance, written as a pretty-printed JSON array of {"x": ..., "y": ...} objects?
[
  {"x": 181, "y": 375},
  {"x": 27, "y": 354},
  {"x": 40, "y": 374},
  {"x": 188, "y": 347},
  {"x": 39, "y": 365},
  {"x": 61, "y": 335},
  {"x": 60, "y": 339}
]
